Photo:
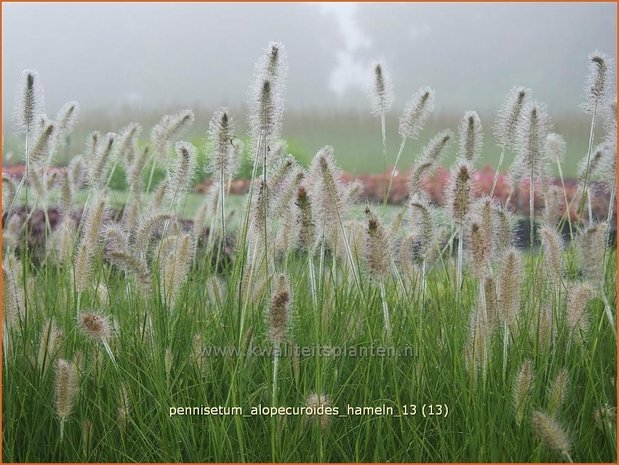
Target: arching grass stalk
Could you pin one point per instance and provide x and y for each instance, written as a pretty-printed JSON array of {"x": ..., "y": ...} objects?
[{"x": 395, "y": 167}]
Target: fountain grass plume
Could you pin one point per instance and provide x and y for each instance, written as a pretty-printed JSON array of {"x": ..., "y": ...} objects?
[
  {"x": 125, "y": 146},
  {"x": 169, "y": 129},
  {"x": 412, "y": 121},
  {"x": 521, "y": 394},
  {"x": 223, "y": 161},
  {"x": 305, "y": 222},
  {"x": 554, "y": 259},
  {"x": 66, "y": 120},
  {"x": 66, "y": 391},
  {"x": 430, "y": 156},
  {"x": 30, "y": 102},
  {"x": 470, "y": 137},
  {"x": 181, "y": 176},
  {"x": 458, "y": 197},
  {"x": 531, "y": 163},
  {"x": 506, "y": 124},
  {"x": 377, "y": 256},
  {"x": 550, "y": 432},
  {"x": 89, "y": 242},
  {"x": 557, "y": 391},
  {"x": 98, "y": 167}
]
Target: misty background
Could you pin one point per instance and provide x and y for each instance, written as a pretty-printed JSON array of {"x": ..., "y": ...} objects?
[{"x": 126, "y": 61}]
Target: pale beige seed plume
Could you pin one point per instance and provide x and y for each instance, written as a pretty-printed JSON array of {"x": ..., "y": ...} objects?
[
  {"x": 180, "y": 178},
  {"x": 416, "y": 113},
  {"x": 177, "y": 253},
  {"x": 509, "y": 285},
  {"x": 89, "y": 242},
  {"x": 479, "y": 249},
  {"x": 222, "y": 161},
  {"x": 491, "y": 301},
  {"x": 544, "y": 331},
  {"x": 598, "y": 82},
  {"x": 406, "y": 259},
  {"x": 319, "y": 401},
  {"x": 279, "y": 310},
  {"x": 168, "y": 130},
  {"x": 422, "y": 225},
  {"x": 134, "y": 171},
  {"x": 551, "y": 433},
  {"x": 42, "y": 148},
  {"x": 557, "y": 392},
  {"x": 554, "y": 206},
  {"x": 305, "y": 222},
  {"x": 13, "y": 301},
  {"x": 126, "y": 145},
  {"x": 476, "y": 351},
  {"x": 148, "y": 225},
  {"x": 458, "y": 193},
  {"x": 134, "y": 266},
  {"x": 98, "y": 166},
  {"x": 116, "y": 237},
  {"x": 509, "y": 116},
  {"x": 67, "y": 388},
  {"x": 327, "y": 195},
  {"x": 30, "y": 102},
  {"x": 470, "y": 137},
  {"x": 605, "y": 417},
  {"x": 9, "y": 189},
  {"x": 381, "y": 93},
  {"x": 554, "y": 259},
  {"x": 523, "y": 385},
  {"x": 377, "y": 249},
  {"x": 60, "y": 246},
  {"x": 591, "y": 253},
  {"x": 427, "y": 162},
  {"x": 96, "y": 326},
  {"x": 577, "y": 319}
]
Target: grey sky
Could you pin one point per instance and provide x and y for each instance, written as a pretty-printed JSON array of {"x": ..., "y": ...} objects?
[{"x": 150, "y": 55}]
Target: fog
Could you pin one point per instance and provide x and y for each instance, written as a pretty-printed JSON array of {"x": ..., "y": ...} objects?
[{"x": 147, "y": 56}]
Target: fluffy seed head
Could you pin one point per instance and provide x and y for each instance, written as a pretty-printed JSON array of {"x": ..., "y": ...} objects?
[
  {"x": 598, "y": 82},
  {"x": 95, "y": 325},
  {"x": 523, "y": 385},
  {"x": 479, "y": 248},
  {"x": 591, "y": 252},
  {"x": 416, "y": 113},
  {"x": 422, "y": 225},
  {"x": 428, "y": 160},
  {"x": 126, "y": 144},
  {"x": 476, "y": 353},
  {"x": 305, "y": 222},
  {"x": 377, "y": 247},
  {"x": 554, "y": 260},
  {"x": 550, "y": 432},
  {"x": 531, "y": 135},
  {"x": 470, "y": 137},
  {"x": 315, "y": 401},
  {"x": 97, "y": 167},
  {"x": 177, "y": 254},
  {"x": 554, "y": 205},
  {"x": 181, "y": 176},
  {"x": 458, "y": 193},
  {"x": 44, "y": 142},
  {"x": 67, "y": 388},
  {"x": 554, "y": 147},
  {"x": 29, "y": 105},
  {"x": 510, "y": 281},
  {"x": 558, "y": 392},
  {"x": 223, "y": 160},
  {"x": 169, "y": 129},
  {"x": 327, "y": 194},
  {"x": 51, "y": 336},
  {"x": 577, "y": 319},
  {"x": 509, "y": 116},
  {"x": 381, "y": 94},
  {"x": 279, "y": 309},
  {"x": 267, "y": 100},
  {"x": 66, "y": 119}
]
